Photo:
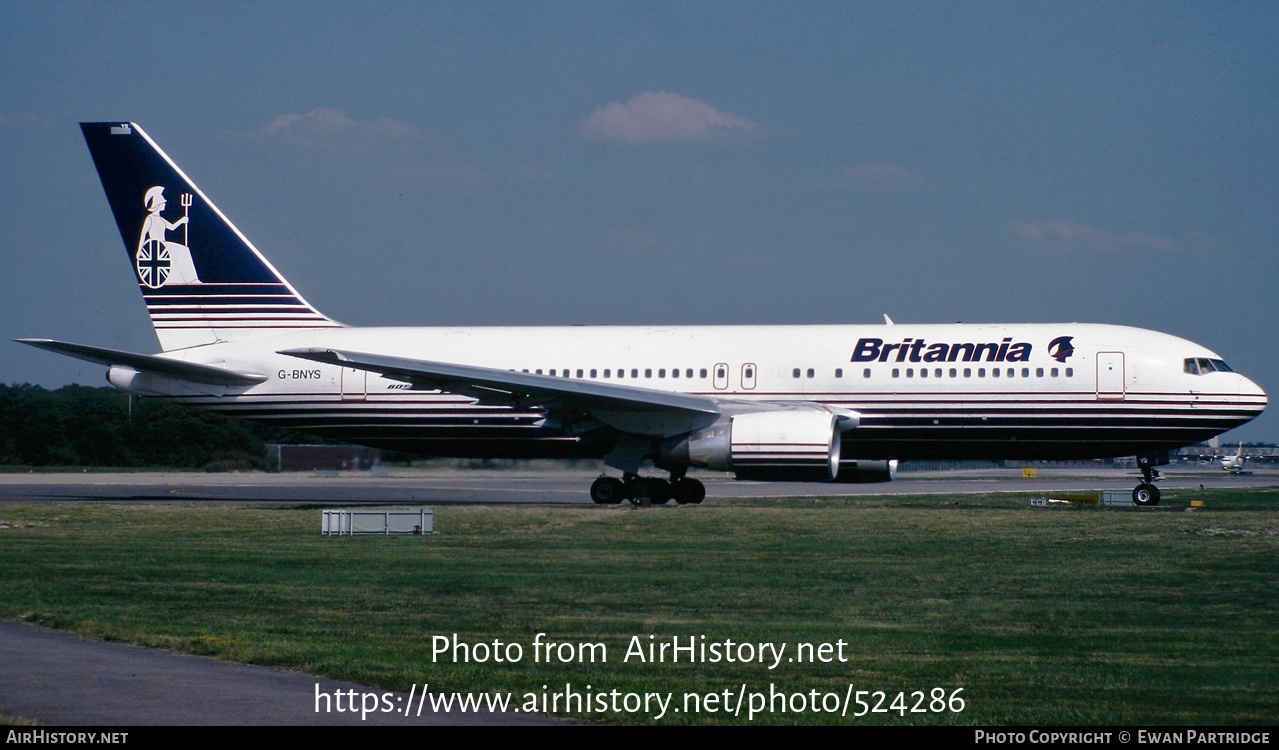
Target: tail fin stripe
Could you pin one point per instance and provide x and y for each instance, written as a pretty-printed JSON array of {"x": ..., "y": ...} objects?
[
  {"x": 250, "y": 314},
  {"x": 240, "y": 307},
  {"x": 214, "y": 290},
  {"x": 226, "y": 301},
  {"x": 250, "y": 328}
]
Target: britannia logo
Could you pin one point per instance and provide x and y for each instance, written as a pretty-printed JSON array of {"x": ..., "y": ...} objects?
[
  {"x": 160, "y": 261},
  {"x": 1060, "y": 348}
]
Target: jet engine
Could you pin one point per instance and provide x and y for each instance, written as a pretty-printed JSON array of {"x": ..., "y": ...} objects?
[{"x": 770, "y": 446}]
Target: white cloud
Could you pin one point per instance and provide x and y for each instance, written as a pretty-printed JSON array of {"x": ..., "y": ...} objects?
[
  {"x": 664, "y": 117},
  {"x": 382, "y": 148},
  {"x": 28, "y": 120},
  {"x": 329, "y": 128},
  {"x": 531, "y": 173},
  {"x": 1067, "y": 235},
  {"x": 430, "y": 171},
  {"x": 879, "y": 177}
]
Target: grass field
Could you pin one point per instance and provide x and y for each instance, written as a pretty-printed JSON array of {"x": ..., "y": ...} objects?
[{"x": 1040, "y": 615}]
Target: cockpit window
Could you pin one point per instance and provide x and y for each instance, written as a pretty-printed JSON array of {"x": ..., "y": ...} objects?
[{"x": 1203, "y": 366}]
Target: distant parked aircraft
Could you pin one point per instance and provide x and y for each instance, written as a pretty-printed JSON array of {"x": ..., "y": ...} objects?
[{"x": 1234, "y": 464}]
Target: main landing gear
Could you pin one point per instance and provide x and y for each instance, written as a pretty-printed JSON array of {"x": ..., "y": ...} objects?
[
  {"x": 647, "y": 490},
  {"x": 1147, "y": 494}
]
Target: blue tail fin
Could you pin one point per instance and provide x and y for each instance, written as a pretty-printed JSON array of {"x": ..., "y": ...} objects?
[{"x": 203, "y": 281}]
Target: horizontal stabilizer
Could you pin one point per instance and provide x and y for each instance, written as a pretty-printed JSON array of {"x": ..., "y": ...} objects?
[{"x": 169, "y": 368}]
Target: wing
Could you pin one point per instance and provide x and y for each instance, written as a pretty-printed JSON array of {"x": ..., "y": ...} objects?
[{"x": 638, "y": 411}]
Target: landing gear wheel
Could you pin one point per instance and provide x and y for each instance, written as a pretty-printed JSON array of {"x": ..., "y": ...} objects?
[
  {"x": 608, "y": 491},
  {"x": 688, "y": 491},
  {"x": 1145, "y": 495}
]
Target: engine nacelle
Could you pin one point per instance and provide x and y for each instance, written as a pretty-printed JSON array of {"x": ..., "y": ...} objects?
[
  {"x": 861, "y": 471},
  {"x": 149, "y": 384},
  {"x": 771, "y": 446}
]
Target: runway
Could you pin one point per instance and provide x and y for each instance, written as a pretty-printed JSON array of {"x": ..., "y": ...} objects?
[
  {"x": 59, "y": 679},
  {"x": 454, "y": 487}
]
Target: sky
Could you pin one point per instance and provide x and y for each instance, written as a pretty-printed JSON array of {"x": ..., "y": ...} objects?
[{"x": 556, "y": 163}]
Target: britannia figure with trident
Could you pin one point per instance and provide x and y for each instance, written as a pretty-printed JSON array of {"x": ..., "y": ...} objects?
[{"x": 160, "y": 261}]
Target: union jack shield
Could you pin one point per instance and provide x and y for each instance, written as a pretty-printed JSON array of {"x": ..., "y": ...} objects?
[{"x": 153, "y": 264}]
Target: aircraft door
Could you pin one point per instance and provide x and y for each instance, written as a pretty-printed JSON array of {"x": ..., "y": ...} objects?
[
  {"x": 748, "y": 376},
  {"x": 1110, "y": 375},
  {"x": 354, "y": 384},
  {"x": 721, "y": 376}
]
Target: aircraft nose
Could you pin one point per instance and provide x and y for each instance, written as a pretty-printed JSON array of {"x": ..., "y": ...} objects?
[{"x": 1253, "y": 393}]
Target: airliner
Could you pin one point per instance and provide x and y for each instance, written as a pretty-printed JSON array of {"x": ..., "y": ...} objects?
[
  {"x": 832, "y": 403},
  {"x": 1234, "y": 464}
]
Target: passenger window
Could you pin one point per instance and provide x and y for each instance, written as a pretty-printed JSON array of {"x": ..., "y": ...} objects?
[
  {"x": 897, "y": 373},
  {"x": 606, "y": 372},
  {"x": 634, "y": 372},
  {"x": 648, "y": 372},
  {"x": 1012, "y": 372},
  {"x": 1070, "y": 372},
  {"x": 1039, "y": 372},
  {"x": 701, "y": 373},
  {"x": 661, "y": 373},
  {"x": 981, "y": 372},
  {"x": 994, "y": 372},
  {"x": 675, "y": 372},
  {"x": 866, "y": 373},
  {"x": 579, "y": 373},
  {"x": 953, "y": 372},
  {"x": 552, "y": 373},
  {"x": 839, "y": 373},
  {"x": 1025, "y": 372},
  {"x": 910, "y": 372},
  {"x": 794, "y": 373},
  {"x": 1053, "y": 372},
  {"x": 810, "y": 372},
  {"x": 592, "y": 373},
  {"x": 923, "y": 372},
  {"x": 968, "y": 372},
  {"x": 937, "y": 373}
]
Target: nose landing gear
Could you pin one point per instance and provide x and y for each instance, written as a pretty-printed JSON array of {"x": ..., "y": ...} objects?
[{"x": 1147, "y": 494}]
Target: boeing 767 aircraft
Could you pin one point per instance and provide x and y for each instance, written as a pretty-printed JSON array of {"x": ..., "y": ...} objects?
[{"x": 819, "y": 403}]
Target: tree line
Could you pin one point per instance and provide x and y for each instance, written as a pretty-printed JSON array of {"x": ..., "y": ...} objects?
[{"x": 85, "y": 426}]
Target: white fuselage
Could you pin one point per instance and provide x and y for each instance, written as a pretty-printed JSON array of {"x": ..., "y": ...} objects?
[{"x": 922, "y": 391}]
